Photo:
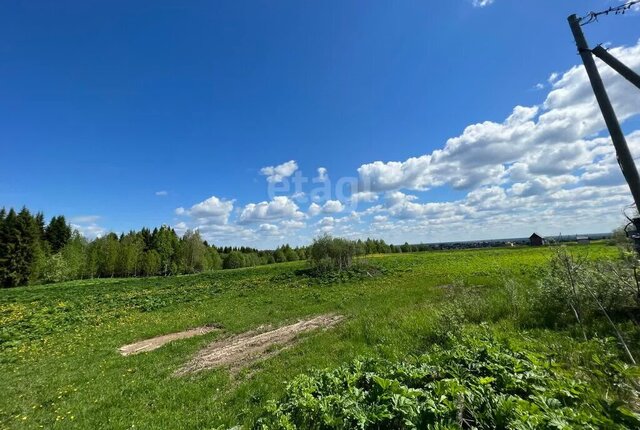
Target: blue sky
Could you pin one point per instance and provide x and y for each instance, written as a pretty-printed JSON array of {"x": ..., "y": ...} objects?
[{"x": 105, "y": 105}]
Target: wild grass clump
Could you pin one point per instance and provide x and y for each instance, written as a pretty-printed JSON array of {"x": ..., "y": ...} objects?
[
  {"x": 574, "y": 291},
  {"x": 592, "y": 298},
  {"x": 480, "y": 383},
  {"x": 585, "y": 291},
  {"x": 448, "y": 324}
]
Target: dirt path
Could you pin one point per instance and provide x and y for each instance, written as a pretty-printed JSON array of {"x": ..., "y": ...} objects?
[
  {"x": 248, "y": 347},
  {"x": 157, "y": 342}
]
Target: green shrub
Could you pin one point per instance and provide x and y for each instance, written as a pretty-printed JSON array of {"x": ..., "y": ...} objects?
[{"x": 328, "y": 253}]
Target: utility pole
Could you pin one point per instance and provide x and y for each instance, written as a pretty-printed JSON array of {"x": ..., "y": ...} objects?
[
  {"x": 625, "y": 160},
  {"x": 617, "y": 65}
]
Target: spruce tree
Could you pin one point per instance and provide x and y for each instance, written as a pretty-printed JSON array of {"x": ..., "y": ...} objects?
[
  {"x": 7, "y": 232},
  {"x": 57, "y": 233},
  {"x": 39, "y": 220},
  {"x": 18, "y": 246}
]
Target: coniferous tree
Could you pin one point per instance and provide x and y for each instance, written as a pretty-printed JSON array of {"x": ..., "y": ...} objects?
[
  {"x": 33, "y": 254},
  {"x": 40, "y": 224},
  {"x": 18, "y": 248},
  {"x": 147, "y": 238},
  {"x": 40, "y": 248},
  {"x": 57, "y": 233},
  {"x": 8, "y": 236}
]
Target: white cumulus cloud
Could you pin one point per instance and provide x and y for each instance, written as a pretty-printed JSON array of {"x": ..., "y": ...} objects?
[
  {"x": 281, "y": 207},
  {"x": 322, "y": 174},
  {"x": 280, "y": 172},
  {"x": 332, "y": 206},
  {"x": 314, "y": 209},
  {"x": 210, "y": 211}
]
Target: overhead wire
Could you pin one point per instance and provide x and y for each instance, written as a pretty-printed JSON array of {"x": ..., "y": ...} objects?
[{"x": 615, "y": 10}]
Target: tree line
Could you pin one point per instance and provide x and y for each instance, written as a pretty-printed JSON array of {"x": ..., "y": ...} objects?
[{"x": 33, "y": 251}]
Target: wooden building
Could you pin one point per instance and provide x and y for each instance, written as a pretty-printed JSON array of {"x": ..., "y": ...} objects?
[{"x": 536, "y": 240}]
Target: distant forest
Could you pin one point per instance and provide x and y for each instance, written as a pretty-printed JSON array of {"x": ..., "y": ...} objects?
[{"x": 34, "y": 252}]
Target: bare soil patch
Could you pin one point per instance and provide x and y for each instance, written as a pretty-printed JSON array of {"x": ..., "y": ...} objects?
[
  {"x": 243, "y": 349},
  {"x": 157, "y": 342}
]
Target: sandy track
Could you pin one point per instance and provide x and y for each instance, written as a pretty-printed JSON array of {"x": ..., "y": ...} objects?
[
  {"x": 157, "y": 342},
  {"x": 248, "y": 347}
]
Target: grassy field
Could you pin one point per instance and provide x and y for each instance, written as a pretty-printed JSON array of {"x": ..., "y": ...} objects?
[{"x": 59, "y": 365}]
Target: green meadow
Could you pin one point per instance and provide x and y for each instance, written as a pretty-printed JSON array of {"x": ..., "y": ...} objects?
[{"x": 60, "y": 366}]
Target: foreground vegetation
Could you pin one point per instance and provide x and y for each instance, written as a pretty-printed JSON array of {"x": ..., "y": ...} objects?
[
  {"x": 452, "y": 311},
  {"x": 476, "y": 382}
]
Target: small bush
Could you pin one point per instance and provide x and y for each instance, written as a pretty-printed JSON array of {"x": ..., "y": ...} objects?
[{"x": 328, "y": 254}]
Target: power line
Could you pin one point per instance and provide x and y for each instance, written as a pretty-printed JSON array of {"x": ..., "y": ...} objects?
[{"x": 618, "y": 10}]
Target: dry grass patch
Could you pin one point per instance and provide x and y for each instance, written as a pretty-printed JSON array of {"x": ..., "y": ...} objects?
[
  {"x": 156, "y": 342},
  {"x": 238, "y": 351}
]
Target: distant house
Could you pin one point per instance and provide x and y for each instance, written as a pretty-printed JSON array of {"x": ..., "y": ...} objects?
[
  {"x": 536, "y": 240},
  {"x": 583, "y": 240}
]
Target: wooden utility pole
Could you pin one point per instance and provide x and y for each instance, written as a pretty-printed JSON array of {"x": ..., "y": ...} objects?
[
  {"x": 617, "y": 65},
  {"x": 625, "y": 160}
]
